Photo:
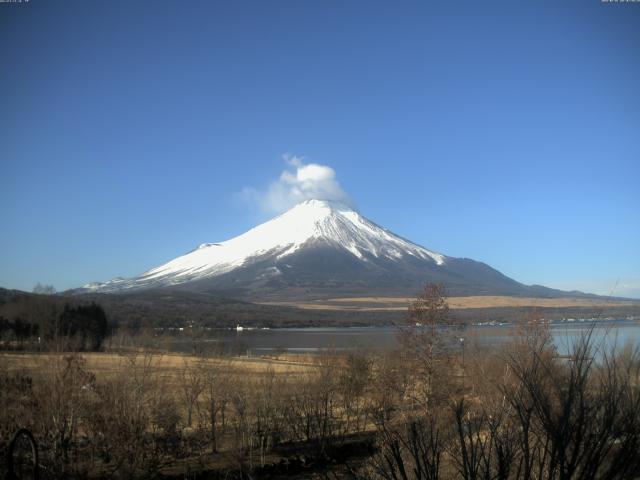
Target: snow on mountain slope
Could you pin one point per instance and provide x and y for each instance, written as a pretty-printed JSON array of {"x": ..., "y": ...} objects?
[{"x": 304, "y": 224}]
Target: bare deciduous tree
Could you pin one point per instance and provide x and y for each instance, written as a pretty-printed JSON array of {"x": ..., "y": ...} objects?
[{"x": 426, "y": 341}]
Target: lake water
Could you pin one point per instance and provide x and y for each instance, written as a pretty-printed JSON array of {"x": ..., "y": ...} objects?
[{"x": 309, "y": 340}]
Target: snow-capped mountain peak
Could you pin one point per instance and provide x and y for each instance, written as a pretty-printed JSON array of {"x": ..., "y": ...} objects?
[{"x": 312, "y": 222}]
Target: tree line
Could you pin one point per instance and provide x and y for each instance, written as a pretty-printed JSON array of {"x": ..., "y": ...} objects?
[{"x": 41, "y": 322}]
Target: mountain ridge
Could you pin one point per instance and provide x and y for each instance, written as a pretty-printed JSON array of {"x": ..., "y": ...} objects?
[{"x": 320, "y": 249}]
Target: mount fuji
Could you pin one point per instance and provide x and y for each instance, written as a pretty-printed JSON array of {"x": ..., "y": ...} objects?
[{"x": 319, "y": 249}]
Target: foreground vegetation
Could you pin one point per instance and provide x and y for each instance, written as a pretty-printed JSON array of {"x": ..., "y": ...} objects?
[{"x": 434, "y": 409}]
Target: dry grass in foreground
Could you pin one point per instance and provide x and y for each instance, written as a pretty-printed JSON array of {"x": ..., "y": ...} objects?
[{"x": 166, "y": 364}]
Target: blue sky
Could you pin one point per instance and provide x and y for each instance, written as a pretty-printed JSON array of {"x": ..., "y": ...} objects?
[{"x": 507, "y": 132}]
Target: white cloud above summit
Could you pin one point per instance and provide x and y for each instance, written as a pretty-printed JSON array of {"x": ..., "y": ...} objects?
[{"x": 301, "y": 181}]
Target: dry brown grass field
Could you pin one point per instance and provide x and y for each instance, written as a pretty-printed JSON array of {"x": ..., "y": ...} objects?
[
  {"x": 491, "y": 301},
  {"x": 167, "y": 365}
]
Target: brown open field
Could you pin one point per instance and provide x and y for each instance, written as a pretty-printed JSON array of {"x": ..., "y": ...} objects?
[
  {"x": 371, "y": 304},
  {"x": 167, "y": 365}
]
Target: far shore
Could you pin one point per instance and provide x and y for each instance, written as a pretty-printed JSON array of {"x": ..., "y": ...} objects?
[{"x": 372, "y": 304}]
